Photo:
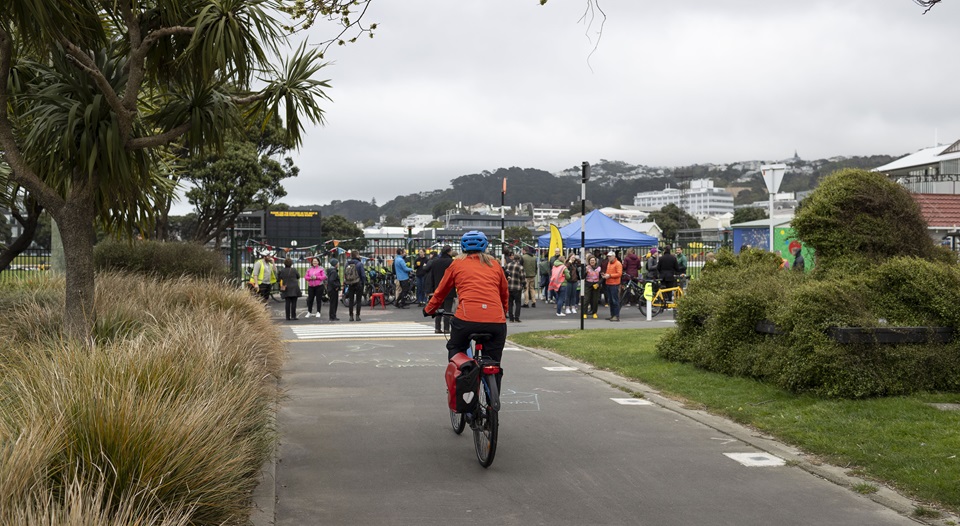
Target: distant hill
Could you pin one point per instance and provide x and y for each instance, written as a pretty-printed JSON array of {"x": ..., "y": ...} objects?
[{"x": 612, "y": 183}]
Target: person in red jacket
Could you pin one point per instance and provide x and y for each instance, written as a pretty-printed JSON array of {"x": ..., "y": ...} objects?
[{"x": 481, "y": 287}]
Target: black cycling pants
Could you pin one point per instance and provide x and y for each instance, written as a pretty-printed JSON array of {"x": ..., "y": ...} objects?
[{"x": 460, "y": 332}]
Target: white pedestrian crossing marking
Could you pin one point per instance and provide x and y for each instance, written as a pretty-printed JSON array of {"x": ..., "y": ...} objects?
[{"x": 364, "y": 331}]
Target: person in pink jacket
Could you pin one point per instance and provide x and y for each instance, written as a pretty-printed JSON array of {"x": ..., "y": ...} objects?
[{"x": 315, "y": 278}]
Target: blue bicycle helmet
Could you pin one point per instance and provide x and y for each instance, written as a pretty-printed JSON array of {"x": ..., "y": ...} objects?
[{"x": 474, "y": 241}]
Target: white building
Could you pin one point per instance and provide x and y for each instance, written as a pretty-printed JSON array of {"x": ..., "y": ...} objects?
[
  {"x": 624, "y": 216},
  {"x": 700, "y": 199},
  {"x": 417, "y": 220},
  {"x": 547, "y": 212},
  {"x": 934, "y": 170}
]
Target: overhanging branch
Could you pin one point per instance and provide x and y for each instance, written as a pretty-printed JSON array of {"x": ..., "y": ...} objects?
[
  {"x": 153, "y": 141},
  {"x": 83, "y": 60}
]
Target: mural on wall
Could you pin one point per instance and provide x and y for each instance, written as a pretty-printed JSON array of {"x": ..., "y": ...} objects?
[{"x": 785, "y": 242}]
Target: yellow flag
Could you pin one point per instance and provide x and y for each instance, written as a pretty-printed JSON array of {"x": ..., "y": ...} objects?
[{"x": 555, "y": 240}]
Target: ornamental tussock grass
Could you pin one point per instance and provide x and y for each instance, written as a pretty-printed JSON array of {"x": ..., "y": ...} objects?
[{"x": 166, "y": 420}]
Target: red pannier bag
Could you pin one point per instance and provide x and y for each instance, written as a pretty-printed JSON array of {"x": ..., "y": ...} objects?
[{"x": 463, "y": 377}]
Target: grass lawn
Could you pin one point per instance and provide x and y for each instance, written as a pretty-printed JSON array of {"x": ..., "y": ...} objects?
[{"x": 902, "y": 441}]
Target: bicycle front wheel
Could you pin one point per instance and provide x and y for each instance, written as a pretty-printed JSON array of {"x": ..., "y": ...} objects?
[
  {"x": 659, "y": 305},
  {"x": 486, "y": 426}
]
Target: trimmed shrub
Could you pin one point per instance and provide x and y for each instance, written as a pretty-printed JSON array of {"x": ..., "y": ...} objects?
[
  {"x": 158, "y": 258},
  {"x": 717, "y": 326},
  {"x": 861, "y": 214},
  {"x": 876, "y": 267}
]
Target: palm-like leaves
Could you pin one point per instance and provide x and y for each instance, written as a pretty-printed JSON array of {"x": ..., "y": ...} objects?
[
  {"x": 296, "y": 93},
  {"x": 230, "y": 36},
  {"x": 73, "y": 133},
  {"x": 75, "y": 139}
]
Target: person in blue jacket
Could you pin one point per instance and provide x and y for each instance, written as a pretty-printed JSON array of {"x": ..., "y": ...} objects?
[{"x": 402, "y": 270}]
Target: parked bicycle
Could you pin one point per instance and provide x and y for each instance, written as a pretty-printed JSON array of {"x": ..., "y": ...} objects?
[
  {"x": 664, "y": 298},
  {"x": 485, "y": 421},
  {"x": 632, "y": 292},
  {"x": 379, "y": 281}
]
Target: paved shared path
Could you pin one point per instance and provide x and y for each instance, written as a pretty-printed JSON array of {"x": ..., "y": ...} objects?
[{"x": 365, "y": 440}]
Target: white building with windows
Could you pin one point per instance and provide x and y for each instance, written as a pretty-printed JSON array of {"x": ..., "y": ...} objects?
[
  {"x": 700, "y": 199},
  {"x": 417, "y": 221},
  {"x": 546, "y": 212}
]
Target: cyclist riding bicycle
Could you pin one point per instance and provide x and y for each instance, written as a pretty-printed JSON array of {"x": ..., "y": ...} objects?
[{"x": 481, "y": 287}]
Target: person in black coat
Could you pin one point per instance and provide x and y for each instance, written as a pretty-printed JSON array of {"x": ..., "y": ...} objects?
[
  {"x": 433, "y": 273},
  {"x": 668, "y": 268},
  {"x": 290, "y": 287},
  {"x": 333, "y": 287}
]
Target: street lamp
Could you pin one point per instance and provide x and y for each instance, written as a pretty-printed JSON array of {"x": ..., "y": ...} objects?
[{"x": 772, "y": 176}]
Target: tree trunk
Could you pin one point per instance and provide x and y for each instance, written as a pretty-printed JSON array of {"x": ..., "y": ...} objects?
[
  {"x": 29, "y": 224},
  {"x": 76, "y": 223}
]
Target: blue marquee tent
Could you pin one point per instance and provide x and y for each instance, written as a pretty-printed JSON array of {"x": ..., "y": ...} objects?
[{"x": 601, "y": 232}]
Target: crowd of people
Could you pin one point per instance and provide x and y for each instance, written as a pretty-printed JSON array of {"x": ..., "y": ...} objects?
[{"x": 552, "y": 279}]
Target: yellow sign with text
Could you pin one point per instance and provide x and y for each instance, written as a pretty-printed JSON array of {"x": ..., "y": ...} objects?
[{"x": 291, "y": 213}]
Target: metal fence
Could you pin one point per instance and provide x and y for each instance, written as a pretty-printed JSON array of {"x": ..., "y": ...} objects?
[{"x": 29, "y": 262}]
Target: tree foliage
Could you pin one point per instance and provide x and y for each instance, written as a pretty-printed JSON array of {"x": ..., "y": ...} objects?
[
  {"x": 92, "y": 92},
  {"x": 752, "y": 213},
  {"x": 862, "y": 215},
  {"x": 671, "y": 219},
  {"x": 244, "y": 175},
  {"x": 348, "y": 235},
  {"x": 518, "y": 237}
]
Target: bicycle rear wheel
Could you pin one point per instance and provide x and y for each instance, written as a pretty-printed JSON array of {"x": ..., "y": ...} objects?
[
  {"x": 486, "y": 426},
  {"x": 457, "y": 422}
]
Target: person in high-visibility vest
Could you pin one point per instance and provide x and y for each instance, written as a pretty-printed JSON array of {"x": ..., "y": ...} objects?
[{"x": 263, "y": 277}]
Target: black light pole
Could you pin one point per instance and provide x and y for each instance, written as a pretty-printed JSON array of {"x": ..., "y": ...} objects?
[{"x": 585, "y": 167}]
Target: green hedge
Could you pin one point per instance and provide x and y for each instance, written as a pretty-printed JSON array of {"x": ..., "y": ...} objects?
[
  {"x": 161, "y": 259},
  {"x": 717, "y": 321}
]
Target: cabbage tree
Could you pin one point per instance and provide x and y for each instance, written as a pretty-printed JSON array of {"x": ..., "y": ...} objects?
[{"x": 93, "y": 91}]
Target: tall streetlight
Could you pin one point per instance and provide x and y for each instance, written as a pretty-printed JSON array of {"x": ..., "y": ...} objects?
[{"x": 772, "y": 176}]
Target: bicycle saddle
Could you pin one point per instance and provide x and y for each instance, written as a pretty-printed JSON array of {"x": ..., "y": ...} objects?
[{"x": 481, "y": 337}]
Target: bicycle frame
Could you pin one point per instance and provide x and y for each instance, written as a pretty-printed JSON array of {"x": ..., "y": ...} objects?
[{"x": 660, "y": 302}]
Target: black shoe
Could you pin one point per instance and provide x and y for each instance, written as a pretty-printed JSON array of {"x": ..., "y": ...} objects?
[
  {"x": 525, "y": 305},
  {"x": 351, "y": 317},
  {"x": 534, "y": 305},
  {"x": 517, "y": 320},
  {"x": 358, "y": 318},
  {"x": 437, "y": 331}
]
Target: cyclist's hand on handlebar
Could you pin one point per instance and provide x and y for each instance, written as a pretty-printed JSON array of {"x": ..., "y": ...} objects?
[{"x": 426, "y": 314}]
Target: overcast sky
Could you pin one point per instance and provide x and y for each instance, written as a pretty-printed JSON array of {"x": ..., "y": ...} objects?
[{"x": 449, "y": 88}]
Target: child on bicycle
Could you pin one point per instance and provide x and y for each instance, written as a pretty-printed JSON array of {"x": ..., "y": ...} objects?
[{"x": 481, "y": 286}]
